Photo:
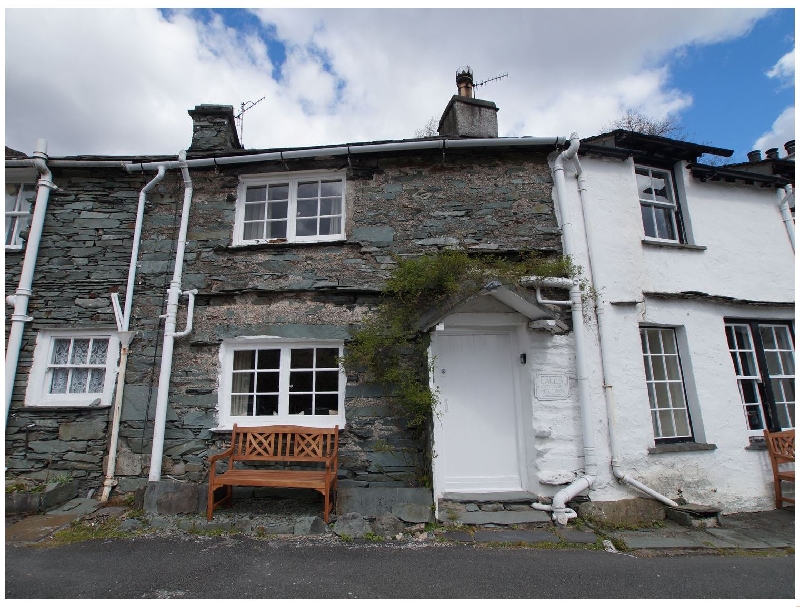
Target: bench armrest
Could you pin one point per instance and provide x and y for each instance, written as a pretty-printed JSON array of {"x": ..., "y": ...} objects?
[{"x": 214, "y": 458}]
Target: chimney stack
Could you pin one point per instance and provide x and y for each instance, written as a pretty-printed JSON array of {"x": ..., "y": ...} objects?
[
  {"x": 772, "y": 153},
  {"x": 466, "y": 116},
  {"x": 214, "y": 129},
  {"x": 754, "y": 156},
  {"x": 789, "y": 147}
]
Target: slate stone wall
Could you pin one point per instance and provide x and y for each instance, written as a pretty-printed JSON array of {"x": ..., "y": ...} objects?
[{"x": 395, "y": 206}]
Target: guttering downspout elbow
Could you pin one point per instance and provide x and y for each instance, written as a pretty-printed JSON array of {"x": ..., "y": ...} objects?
[
  {"x": 23, "y": 292},
  {"x": 786, "y": 213}
]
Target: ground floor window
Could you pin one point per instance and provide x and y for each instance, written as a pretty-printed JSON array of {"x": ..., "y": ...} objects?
[
  {"x": 763, "y": 359},
  {"x": 72, "y": 368},
  {"x": 274, "y": 381},
  {"x": 665, "y": 388}
]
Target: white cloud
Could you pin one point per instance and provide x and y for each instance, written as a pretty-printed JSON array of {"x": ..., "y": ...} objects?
[
  {"x": 120, "y": 82},
  {"x": 782, "y": 131},
  {"x": 784, "y": 68}
]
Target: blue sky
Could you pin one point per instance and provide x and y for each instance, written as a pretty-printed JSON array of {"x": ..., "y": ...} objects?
[{"x": 121, "y": 81}]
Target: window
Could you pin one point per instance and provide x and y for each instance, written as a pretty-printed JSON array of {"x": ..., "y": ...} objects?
[
  {"x": 660, "y": 212},
  {"x": 763, "y": 359},
  {"x": 73, "y": 369},
  {"x": 304, "y": 208},
  {"x": 273, "y": 381},
  {"x": 18, "y": 215},
  {"x": 662, "y": 367}
]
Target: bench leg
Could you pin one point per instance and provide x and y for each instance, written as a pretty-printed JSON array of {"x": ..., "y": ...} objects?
[
  {"x": 210, "y": 505},
  {"x": 778, "y": 494}
]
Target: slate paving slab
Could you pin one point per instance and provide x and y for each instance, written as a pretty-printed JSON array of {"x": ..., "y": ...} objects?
[
  {"x": 78, "y": 506},
  {"x": 576, "y": 536},
  {"x": 506, "y": 517},
  {"x": 35, "y": 528},
  {"x": 457, "y": 536},
  {"x": 638, "y": 539}
]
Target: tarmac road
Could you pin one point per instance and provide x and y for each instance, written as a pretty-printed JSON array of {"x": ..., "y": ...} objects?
[{"x": 243, "y": 567}]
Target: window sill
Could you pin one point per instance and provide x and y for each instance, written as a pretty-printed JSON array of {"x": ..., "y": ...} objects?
[
  {"x": 276, "y": 244},
  {"x": 681, "y": 447},
  {"x": 65, "y": 407},
  {"x": 10, "y": 249},
  {"x": 666, "y": 244},
  {"x": 228, "y": 429}
]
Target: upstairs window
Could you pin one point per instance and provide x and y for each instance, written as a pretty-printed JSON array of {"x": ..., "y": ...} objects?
[
  {"x": 660, "y": 211},
  {"x": 19, "y": 197},
  {"x": 271, "y": 381},
  {"x": 305, "y": 208}
]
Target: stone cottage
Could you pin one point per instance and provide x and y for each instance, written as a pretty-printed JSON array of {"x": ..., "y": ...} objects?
[{"x": 159, "y": 300}]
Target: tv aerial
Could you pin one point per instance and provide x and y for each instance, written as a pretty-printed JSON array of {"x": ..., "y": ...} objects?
[
  {"x": 477, "y": 84},
  {"x": 245, "y": 105}
]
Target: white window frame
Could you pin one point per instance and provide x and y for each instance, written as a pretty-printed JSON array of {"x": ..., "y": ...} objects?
[
  {"x": 671, "y": 207},
  {"x": 662, "y": 401},
  {"x": 292, "y": 180},
  {"x": 756, "y": 352},
  {"x": 38, "y": 393},
  {"x": 227, "y": 350},
  {"x": 21, "y": 210}
]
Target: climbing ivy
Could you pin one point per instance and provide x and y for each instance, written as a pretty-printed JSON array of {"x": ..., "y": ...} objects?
[{"x": 391, "y": 345}]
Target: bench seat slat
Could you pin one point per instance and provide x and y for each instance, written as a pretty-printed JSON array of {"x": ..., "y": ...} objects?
[{"x": 302, "y": 479}]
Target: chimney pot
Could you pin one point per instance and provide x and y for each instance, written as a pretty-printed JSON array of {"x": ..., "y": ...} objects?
[
  {"x": 464, "y": 81},
  {"x": 789, "y": 147},
  {"x": 772, "y": 153},
  {"x": 754, "y": 156}
]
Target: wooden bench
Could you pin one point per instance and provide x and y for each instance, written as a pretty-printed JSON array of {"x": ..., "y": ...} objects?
[
  {"x": 781, "y": 451},
  {"x": 277, "y": 444}
]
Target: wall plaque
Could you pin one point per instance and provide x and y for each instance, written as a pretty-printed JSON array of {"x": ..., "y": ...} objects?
[{"x": 551, "y": 386}]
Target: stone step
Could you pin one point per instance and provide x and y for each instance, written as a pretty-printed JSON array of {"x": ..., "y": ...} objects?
[
  {"x": 694, "y": 515},
  {"x": 505, "y": 517},
  {"x": 497, "y": 508},
  {"x": 500, "y": 496}
]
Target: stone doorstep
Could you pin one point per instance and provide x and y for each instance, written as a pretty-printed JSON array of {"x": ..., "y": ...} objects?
[{"x": 512, "y": 497}]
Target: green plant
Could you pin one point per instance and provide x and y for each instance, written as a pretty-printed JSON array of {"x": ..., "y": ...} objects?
[
  {"x": 382, "y": 446},
  {"x": 392, "y": 344},
  {"x": 62, "y": 479},
  {"x": 16, "y": 487},
  {"x": 346, "y": 538},
  {"x": 373, "y": 537},
  {"x": 81, "y": 531}
]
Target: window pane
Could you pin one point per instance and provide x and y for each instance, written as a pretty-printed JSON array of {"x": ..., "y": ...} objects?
[
  {"x": 664, "y": 227},
  {"x": 255, "y": 194},
  {"x": 300, "y": 404},
  {"x": 773, "y": 363},
  {"x": 784, "y": 340},
  {"x": 747, "y": 363},
  {"x": 11, "y": 223},
  {"x": 668, "y": 341},
  {"x": 654, "y": 339},
  {"x": 673, "y": 369},
  {"x": 302, "y": 358},
  {"x": 327, "y": 358},
  {"x": 244, "y": 359},
  {"x": 99, "y": 352},
  {"x": 662, "y": 395},
  {"x": 253, "y": 231},
  {"x": 309, "y": 189},
  {"x": 754, "y": 420},
  {"x": 253, "y": 212},
  {"x": 60, "y": 351},
  {"x": 269, "y": 359},
  {"x": 330, "y": 225},
  {"x": 749, "y": 391},
  {"x": 787, "y": 359},
  {"x": 676, "y": 393},
  {"x": 78, "y": 381},
  {"x": 267, "y": 405},
  {"x": 667, "y": 424},
  {"x": 307, "y": 208},
  {"x": 327, "y": 381},
  {"x": 58, "y": 383},
  {"x": 11, "y": 197},
  {"x": 80, "y": 351},
  {"x": 97, "y": 379},
  {"x": 242, "y": 383},
  {"x": 649, "y": 221},
  {"x": 326, "y": 404},
  {"x": 658, "y": 368},
  {"x": 268, "y": 382},
  {"x": 279, "y": 191},
  {"x": 681, "y": 423},
  {"x": 330, "y": 206},
  {"x": 276, "y": 229},
  {"x": 742, "y": 337},
  {"x": 306, "y": 227},
  {"x": 730, "y": 337},
  {"x": 331, "y": 188},
  {"x": 301, "y": 381},
  {"x": 660, "y": 185},
  {"x": 242, "y": 405},
  {"x": 277, "y": 210},
  {"x": 768, "y": 337},
  {"x": 643, "y": 183}
]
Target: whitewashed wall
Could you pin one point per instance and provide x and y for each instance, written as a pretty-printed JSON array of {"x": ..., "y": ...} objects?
[{"x": 748, "y": 257}]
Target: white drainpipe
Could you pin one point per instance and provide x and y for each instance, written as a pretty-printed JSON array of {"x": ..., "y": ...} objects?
[
  {"x": 788, "y": 220},
  {"x": 173, "y": 295},
  {"x": 23, "y": 292},
  {"x": 608, "y": 388},
  {"x": 126, "y": 337}
]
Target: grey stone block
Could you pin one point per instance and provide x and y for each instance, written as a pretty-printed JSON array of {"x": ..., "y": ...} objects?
[
  {"x": 169, "y": 497},
  {"x": 374, "y": 501},
  {"x": 20, "y": 502},
  {"x": 503, "y": 518},
  {"x": 309, "y": 525},
  {"x": 387, "y": 526},
  {"x": 352, "y": 525},
  {"x": 130, "y": 524},
  {"x": 413, "y": 513},
  {"x": 55, "y": 494}
]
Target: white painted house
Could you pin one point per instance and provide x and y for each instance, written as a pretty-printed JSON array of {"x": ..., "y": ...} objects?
[{"x": 692, "y": 358}]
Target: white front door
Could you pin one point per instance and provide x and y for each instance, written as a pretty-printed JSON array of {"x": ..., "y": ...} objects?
[{"x": 476, "y": 432}]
